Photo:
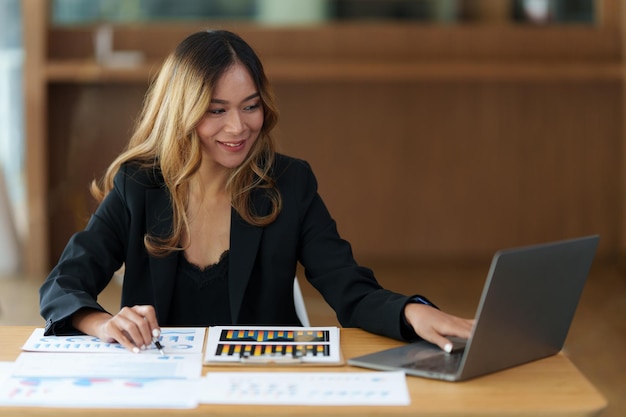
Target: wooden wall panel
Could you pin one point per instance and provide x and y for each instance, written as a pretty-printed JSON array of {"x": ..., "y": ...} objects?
[
  {"x": 428, "y": 142},
  {"x": 459, "y": 170},
  {"x": 89, "y": 125},
  {"x": 410, "y": 171}
]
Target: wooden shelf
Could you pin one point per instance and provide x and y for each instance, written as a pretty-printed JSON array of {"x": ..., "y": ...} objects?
[
  {"x": 80, "y": 71},
  {"x": 285, "y": 71}
]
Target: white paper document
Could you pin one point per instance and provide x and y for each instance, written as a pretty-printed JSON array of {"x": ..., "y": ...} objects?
[
  {"x": 175, "y": 340},
  {"x": 305, "y": 388},
  {"x": 91, "y": 392},
  {"x": 124, "y": 380},
  {"x": 130, "y": 365},
  {"x": 6, "y": 369},
  {"x": 77, "y": 372}
]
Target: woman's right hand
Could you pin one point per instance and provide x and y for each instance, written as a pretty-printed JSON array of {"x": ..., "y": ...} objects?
[{"x": 133, "y": 327}]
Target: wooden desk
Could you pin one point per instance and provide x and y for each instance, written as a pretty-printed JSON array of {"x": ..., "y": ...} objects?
[{"x": 548, "y": 387}]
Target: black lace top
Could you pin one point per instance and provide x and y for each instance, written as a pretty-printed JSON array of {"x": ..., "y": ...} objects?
[{"x": 200, "y": 295}]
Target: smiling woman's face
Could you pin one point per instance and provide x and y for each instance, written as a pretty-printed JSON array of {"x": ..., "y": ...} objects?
[{"x": 233, "y": 121}]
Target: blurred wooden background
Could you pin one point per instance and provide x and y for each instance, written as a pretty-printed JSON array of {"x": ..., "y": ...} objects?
[{"x": 429, "y": 141}]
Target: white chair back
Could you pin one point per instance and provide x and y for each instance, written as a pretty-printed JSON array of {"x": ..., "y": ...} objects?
[{"x": 299, "y": 302}]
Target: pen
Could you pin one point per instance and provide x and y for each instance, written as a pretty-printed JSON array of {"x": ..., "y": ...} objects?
[
  {"x": 159, "y": 346},
  {"x": 155, "y": 340}
]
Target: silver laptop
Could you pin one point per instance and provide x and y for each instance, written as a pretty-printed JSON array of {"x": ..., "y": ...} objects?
[{"x": 524, "y": 314}]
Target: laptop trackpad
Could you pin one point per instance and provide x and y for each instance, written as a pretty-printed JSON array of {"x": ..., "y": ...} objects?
[
  {"x": 433, "y": 360},
  {"x": 425, "y": 350},
  {"x": 458, "y": 345},
  {"x": 412, "y": 352}
]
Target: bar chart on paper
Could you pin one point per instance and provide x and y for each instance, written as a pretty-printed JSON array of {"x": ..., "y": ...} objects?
[{"x": 253, "y": 344}]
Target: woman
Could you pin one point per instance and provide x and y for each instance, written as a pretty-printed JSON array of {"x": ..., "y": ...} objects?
[{"x": 210, "y": 222}]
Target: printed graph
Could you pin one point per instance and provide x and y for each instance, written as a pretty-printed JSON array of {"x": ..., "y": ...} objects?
[{"x": 240, "y": 344}]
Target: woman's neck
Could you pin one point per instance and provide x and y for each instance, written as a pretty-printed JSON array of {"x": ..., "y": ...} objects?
[{"x": 210, "y": 181}]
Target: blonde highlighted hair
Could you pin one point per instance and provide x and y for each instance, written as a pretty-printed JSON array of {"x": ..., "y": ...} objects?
[{"x": 165, "y": 137}]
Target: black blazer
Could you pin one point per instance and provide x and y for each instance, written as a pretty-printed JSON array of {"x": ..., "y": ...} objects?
[{"x": 262, "y": 260}]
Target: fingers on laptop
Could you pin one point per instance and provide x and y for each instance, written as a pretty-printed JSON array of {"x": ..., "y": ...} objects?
[{"x": 434, "y": 325}]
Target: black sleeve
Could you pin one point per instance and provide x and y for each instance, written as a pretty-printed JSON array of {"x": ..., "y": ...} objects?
[{"x": 87, "y": 264}]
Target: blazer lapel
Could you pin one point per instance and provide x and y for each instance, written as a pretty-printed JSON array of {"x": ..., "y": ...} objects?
[
  {"x": 244, "y": 246},
  {"x": 163, "y": 269}
]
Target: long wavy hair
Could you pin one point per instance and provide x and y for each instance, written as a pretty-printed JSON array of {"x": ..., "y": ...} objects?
[{"x": 165, "y": 138}]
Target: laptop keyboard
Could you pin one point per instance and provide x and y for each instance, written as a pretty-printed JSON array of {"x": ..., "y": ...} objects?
[{"x": 444, "y": 363}]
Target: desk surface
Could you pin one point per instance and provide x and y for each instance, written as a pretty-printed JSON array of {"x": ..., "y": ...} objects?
[{"x": 551, "y": 386}]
